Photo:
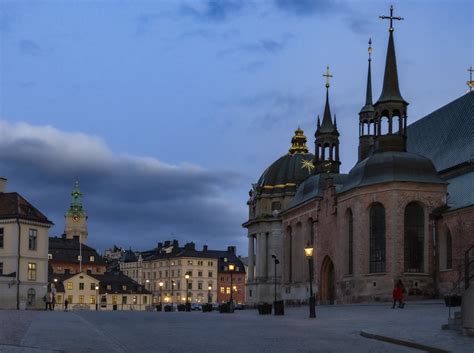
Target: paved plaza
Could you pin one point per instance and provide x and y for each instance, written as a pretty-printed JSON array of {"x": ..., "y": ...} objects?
[{"x": 336, "y": 329}]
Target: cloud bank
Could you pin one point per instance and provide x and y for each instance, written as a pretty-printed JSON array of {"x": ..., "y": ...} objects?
[{"x": 131, "y": 201}]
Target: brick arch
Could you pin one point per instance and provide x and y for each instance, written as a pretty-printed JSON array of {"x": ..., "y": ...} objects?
[{"x": 327, "y": 289}]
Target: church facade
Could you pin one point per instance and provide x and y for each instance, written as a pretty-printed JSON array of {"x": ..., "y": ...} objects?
[{"x": 405, "y": 211}]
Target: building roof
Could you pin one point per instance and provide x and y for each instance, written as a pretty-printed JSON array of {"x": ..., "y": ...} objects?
[
  {"x": 314, "y": 187},
  {"x": 392, "y": 166},
  {"x": 67, "y": 251},
  {"x": 13, "y": 205},
  {"x": 118, "y": 282},
  {"x": 446, "y": 136}
]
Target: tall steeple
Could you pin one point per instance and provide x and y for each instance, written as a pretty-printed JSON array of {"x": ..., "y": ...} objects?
[
  {"x": 75, "y": 217},
  {"x": 367, "y": 115},
  {"x": 390, "y": 107},
  {"x": 326, "y": 159}
]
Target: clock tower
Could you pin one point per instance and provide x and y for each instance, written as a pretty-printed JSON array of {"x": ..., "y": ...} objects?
[{"x": 76, "y": 218}]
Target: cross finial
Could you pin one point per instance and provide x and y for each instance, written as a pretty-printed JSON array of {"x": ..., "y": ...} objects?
[
  {"x": 470, "y": 83},
  {"x": 391, "y": 18},
  {"x": 370, "y": 48},
  {"x": 328, "y": 76}
]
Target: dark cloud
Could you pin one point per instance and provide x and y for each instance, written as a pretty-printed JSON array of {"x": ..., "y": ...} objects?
[
  {"x": 305, "y": 7},
  {"x": 29, "y": 47},
  {"x": 130, "y": 200},
  {"x": 212, "y": 10}
]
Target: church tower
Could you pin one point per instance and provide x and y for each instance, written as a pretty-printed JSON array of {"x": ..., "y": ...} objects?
[
  {"x": 391, "y": 108},
  {"x": 76, "y": 218},
  {"x": 326, "y": 158},
  {"x": 367, "y": 116}
]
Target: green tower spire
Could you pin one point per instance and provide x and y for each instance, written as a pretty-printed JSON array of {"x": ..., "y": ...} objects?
[{"x": 76, "y": 203}]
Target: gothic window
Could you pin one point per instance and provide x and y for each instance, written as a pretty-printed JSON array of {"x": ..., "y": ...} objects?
[
  {"x": 449, "y": 250},
  {"x": 377, "y": 238},
  {"x": 414, "y": 238},
  {"x": 350, "y": 242}
]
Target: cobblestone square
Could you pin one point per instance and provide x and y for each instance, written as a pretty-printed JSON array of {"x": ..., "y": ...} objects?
[{"x": 336, "y": 329}]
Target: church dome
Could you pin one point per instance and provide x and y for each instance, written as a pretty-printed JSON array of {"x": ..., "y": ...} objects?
[
  {"x": 288, "y": 171},
  {"x": 392, "y": 166}
]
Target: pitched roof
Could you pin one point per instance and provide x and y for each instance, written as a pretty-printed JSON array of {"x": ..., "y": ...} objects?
[
  {"x": 67, "y": 250},
  {"x": 446, "y": 136},
  {"x": 13, "y": 205}
]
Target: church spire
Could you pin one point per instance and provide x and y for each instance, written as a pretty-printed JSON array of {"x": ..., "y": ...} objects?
[
  {"x": 390, "y": 87},
  {"x": 366, "y": 115},
  {"x": 391, "y": 107},
  {"x": 326, "y": 158},
  {"x": 76, "y": 201}
]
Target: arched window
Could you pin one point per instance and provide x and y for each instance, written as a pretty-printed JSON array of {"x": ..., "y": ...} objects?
[
  {"x": 350, "y": 242},
  {"x": 31, "y": 297},
  {"x": 377, "y": 238},
  {"x": 414, "y": 238},
  {"x": 449, "y": 251}
]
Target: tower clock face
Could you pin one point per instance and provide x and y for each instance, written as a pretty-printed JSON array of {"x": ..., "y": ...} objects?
[{"x": 75, "y": 218}]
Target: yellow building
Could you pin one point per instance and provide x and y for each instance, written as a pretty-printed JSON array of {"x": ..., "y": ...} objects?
[
  {"x": 23, "y": 252},
  {"x": 99, "y": 292}
]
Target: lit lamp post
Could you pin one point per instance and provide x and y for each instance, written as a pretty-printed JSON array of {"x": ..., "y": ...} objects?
[
  {"x": 231, "y": 270},
  {"x": 308, "y": 251},
  {"x": 161, "y": 295},
  {"x": 209, "y": 296},
  {"x": 96, "y": 297},
  {"x": 188, "y": 307}
]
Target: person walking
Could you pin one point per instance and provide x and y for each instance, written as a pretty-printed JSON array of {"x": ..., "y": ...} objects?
[
  {"x": 66, "y": 302},
  {"x": 397, "y": 295}
]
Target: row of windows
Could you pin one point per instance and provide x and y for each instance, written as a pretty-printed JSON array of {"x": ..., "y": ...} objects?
[
  {"x": 175, "y": 263},
  {"x": 32, "y": 238},
  {"x": 81, "y": 299},
  {"x": 164, "y": 274}
]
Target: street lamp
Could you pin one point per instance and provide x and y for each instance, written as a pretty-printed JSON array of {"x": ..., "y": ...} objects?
[
  {"x": 96, "y": 302},
  {"x": 308, "y": 251},
  {"x": 186, "y": 276},
  {"x": 231, "y": 270},
  {"x": 209, "y": 296},
  {"x": 275, "y": 259},
  {"x": 161, "y": 295}
]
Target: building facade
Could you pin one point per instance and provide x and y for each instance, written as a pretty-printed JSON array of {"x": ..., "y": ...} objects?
[
  {"x": 403, "y": 212},
  {"x": 23, "y": 252},
  {"x": 169, "y": 264}
]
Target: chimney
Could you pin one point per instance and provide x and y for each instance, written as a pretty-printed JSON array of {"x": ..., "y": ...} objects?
[
  {"x": 160, "y": 245},
  {"x": 204, "y": 248},
  {"x": 167, "y": 243},
  {"x": 231, "y": 249},
  {"x": 3, "y": 184},
  {"x": 175, "y": 244}
]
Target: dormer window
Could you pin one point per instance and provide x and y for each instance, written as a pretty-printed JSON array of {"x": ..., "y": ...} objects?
[{"x": 91, "y": 258}]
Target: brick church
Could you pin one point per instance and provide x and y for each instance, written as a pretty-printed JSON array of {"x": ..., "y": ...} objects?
[{"x": 405, "y": 211}]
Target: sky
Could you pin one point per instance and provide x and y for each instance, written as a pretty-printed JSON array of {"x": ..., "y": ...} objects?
[{"x": 167, "y": 111}]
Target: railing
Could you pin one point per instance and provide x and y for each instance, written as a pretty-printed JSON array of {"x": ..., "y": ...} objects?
[{"x": 468, "y": 266}]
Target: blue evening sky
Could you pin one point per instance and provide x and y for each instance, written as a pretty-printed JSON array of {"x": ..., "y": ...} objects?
[{"x": 167, "y": 111}]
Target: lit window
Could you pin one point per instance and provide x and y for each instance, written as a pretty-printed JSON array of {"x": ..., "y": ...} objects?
[
  {"x": 134, "y": 299},
  {"x": 227, "y": 290},
  {"x": 81, "y": 299},
  {"x": 109, "y": 287},
  {"x": 59, "y": 298},
  {"x": 92, "y": 299},
  {"x": 31, "y": 271},
  {"x": 69, "y": 299},
  {"x": 91, "y": 258},
  {"x": 114, "y": 300},
  {"x": 124, "y": 287},
  {"x": 222, "y": 290},
  {"x": 69, "y": 285}
]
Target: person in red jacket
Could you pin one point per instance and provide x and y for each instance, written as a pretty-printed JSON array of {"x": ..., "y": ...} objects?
[{"x": 398, "y": 294}]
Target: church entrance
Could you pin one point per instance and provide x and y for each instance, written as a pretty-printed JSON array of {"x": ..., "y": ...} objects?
[{"x": 327, "y": 293}]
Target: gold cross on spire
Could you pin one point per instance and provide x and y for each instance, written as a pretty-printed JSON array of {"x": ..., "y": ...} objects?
[
  {"x": 391, "y": 18},
  {"x": 328, "y": 76},
  {"x": 470, "y": 83}
]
